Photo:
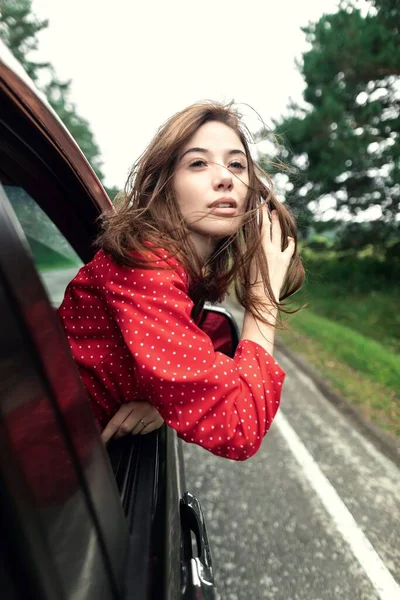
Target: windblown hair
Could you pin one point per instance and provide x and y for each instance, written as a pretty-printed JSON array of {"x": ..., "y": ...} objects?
[{"x": 147, "y": 212}]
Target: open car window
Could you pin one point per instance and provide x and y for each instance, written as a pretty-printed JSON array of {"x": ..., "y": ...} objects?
[
  {"x": 64, "y": 533},
  {"x": 55, "y": 259},
  {"x": 56, "y": 481}
]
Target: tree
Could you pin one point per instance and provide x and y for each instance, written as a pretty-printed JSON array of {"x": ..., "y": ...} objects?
[
  {"x": 57, "y": 93},
  {"x": 19, "y": 29},
  {"x": 344, "y": 144}
]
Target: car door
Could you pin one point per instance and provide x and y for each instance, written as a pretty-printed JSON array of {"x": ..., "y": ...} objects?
[{"x": 77, "y": 523}]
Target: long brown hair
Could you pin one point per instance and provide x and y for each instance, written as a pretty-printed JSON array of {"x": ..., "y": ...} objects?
[{"x": 147, "y": 212}]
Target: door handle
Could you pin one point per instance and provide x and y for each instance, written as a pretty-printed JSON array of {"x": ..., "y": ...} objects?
[{"x": 198, "y": 577}]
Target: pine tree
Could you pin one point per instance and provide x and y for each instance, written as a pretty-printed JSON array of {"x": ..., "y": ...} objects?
[{"x": 345, "y": 144}]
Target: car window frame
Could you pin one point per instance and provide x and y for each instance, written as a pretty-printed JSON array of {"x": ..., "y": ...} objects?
[{"x": 25, "y": 298}]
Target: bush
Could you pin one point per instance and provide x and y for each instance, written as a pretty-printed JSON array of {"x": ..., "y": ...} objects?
[{"x": 355, "y": 274}]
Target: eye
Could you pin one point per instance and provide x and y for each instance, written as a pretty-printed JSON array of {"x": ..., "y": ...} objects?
[
  {"x": 198, "y": 163},
  {"x": 236, "y": 165}
]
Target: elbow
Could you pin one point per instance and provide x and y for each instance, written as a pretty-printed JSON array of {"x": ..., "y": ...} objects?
[
  {"x": 244, "y": 441},
  {"x": 247, "y": 450},
  {"x": 238, "y": 449}
]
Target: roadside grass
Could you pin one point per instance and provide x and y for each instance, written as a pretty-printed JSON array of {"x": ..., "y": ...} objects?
[
  {"x": 362, "y": 370},
  {"x": 48, "y": 259},
  {"x": 373, "y": 313},
  {"x": 56, "y": 266}
]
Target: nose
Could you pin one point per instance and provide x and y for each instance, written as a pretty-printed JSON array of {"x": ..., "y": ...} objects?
[{"x": 223, "y": 179}]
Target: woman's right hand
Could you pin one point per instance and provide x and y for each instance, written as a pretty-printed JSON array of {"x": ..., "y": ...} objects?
[
  {"x": 262, "y": 330},
  {"x": 139, "y": 417},
  {"x": 278, "y": 260}
]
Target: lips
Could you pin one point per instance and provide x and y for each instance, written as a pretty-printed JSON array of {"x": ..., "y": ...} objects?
[
  {"x": 223, "y": 207},
  {"x": 224, "y": 203}
]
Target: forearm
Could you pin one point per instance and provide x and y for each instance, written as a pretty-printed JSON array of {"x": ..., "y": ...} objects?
[
  {"x": 261, "y": 330},
  {"x": 230, "y": 419},
  {"x": 256, "y": 330}
]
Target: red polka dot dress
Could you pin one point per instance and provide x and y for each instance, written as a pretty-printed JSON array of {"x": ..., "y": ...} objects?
[{"x": 133, "y": 338}]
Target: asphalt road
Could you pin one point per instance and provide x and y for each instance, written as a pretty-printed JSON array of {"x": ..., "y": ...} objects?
[{"x": 315, "y": 515}]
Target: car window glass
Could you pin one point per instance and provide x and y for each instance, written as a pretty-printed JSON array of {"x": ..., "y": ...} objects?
[{"x": 55, "y": 259}]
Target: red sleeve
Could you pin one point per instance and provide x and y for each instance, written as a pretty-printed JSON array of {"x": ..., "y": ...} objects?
[{"x": 222, "y": 404}]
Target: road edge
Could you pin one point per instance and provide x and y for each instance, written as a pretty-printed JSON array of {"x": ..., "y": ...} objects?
[{"x": 389, "y": 446}]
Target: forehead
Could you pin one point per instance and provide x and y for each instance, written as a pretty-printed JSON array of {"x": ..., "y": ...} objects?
[{"x": 215, "y": 136}]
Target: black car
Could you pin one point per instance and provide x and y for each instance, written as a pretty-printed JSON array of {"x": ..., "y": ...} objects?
[{"x": 78, "y": 521}]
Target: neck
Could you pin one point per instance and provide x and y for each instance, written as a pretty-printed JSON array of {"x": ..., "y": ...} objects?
[{"x": 205, "y": 246}]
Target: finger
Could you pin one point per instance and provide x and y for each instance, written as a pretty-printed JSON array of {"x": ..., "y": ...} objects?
[
  {"x": 115, "y": 423},
  {"x": 150, "y": 413},
  {"x": 152, "y": 418},
  {"x": 266, "y": 213},
  {"x": 266, "y": 223},
  {"x": 133, "y": 424},
  {"x": 152, "y": 426},
  {"x": 143, "y": 410},
  {"x": 128, "y": 419},
  {"x": 148, "y": 429},
  {"x": 290, "y": 248},
  {"x": 139, "y": 426},
  {"x": 276, "y": 232}
]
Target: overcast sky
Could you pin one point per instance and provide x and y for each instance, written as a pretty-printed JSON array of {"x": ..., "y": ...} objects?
[{"x": 133, "y": 64}]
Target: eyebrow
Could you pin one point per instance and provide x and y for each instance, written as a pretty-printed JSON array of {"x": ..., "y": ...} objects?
[{"x": 205, "y": 151}]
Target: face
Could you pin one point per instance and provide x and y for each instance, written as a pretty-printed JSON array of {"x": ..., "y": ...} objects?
[{"x": 211, "y": 184}]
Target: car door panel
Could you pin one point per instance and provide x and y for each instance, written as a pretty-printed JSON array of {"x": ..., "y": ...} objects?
[{"x": 53, "y": 358}]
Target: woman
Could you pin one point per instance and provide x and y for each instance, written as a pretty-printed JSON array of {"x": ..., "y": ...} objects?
[{"x": 194, "y": 220}]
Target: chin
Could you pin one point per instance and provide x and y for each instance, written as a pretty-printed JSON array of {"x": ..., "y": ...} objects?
[
  {"x": 217, "y": 233},
  {"x": 220, "y": 228}
]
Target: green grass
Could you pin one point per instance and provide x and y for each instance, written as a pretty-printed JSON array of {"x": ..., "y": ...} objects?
[
  {"x": 364, "y": 371},
  {"x": 375, "y": 314},
  {"x": 46, "y": 258},
  {"x": 351, "y": 329},
  {"x": 358, "y": 351},
  {"x": 359, "y": 290}
]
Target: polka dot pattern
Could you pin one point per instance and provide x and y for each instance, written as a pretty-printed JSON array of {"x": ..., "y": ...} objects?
[{"x": 132, "y": 336}]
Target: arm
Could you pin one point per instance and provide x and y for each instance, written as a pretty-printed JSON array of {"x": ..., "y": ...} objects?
[{"x": 225, "y": 405}]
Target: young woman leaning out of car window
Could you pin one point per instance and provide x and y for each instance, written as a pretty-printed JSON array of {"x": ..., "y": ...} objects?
[{"x": 196, "y": 219}]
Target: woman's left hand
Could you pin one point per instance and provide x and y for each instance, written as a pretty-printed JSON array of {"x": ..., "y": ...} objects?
[{"x": 132, "y": 418}]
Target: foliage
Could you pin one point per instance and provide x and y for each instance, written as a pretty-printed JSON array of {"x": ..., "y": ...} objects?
[
  {"x": 359, "y": 290},
  {"x": 344, "y": 145},
  {"x": 57, "y": 93},
  {"x": 19, "y": 29}
]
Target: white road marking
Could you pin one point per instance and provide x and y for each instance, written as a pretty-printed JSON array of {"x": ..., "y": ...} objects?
[
  {"x": 389, "y": 466},
  {"x": 380, "y": 577}
]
